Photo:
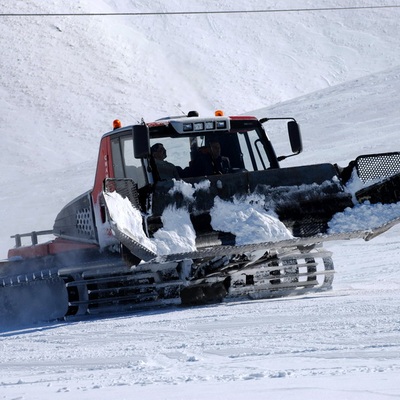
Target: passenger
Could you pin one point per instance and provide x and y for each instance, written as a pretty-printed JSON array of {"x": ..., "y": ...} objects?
[
  {"x": 221, "y": 164},
  {"x": 210, "y": 162},
  {"x": 165, "y": 169}
]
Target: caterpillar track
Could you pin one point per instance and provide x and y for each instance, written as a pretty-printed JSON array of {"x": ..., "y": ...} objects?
[{"x": 114, "y": 287}]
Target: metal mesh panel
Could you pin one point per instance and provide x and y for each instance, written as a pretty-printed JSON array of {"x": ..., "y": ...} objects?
[
  {"x": 84, "y": 223},
  {"x": 378, "y": 166},
  {"x": 124, "y": 187}
]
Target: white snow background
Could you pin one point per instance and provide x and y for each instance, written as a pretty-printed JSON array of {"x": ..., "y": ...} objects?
[{"x": 63, "y": 80}]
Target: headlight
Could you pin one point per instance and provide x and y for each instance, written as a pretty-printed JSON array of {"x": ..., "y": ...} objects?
[
  {"x": 187, "y": 127},
  {"x": 221, "y": 124},
  {"x": 209, "y": 125},
  {"x": 198, "y": 126}
]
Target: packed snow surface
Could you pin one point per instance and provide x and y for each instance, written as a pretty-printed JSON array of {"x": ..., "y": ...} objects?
[{"x": 63, "y": 80}]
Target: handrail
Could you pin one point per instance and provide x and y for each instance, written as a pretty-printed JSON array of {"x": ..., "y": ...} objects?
[{"x": 33, "y": 235}]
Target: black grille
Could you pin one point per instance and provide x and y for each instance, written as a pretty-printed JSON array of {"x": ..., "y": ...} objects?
[
  {"x": 125, "y": 188},
  {"x": 378, "y": 166}
]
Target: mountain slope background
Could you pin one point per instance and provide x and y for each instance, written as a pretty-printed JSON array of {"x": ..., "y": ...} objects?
[{"x": 63, "y": 80}]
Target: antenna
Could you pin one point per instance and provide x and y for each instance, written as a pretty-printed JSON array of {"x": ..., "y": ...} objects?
[{"x": 178, "y": 106}]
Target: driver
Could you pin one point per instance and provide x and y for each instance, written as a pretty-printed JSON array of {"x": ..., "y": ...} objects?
[{"x": 165, "y": 169}]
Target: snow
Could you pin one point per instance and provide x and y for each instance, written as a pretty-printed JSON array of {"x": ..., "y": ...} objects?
[
  {"x": 247, "y": 219},
  {"x": 64, "y": 80},
  {"x": 128, "y": 219},
  {"x": 188, "y": 190},
  {"x": 177, "y": 234},
  {"x": 363, "y": 217}
]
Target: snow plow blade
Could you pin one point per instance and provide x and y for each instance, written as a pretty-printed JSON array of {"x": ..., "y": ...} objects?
[
  {"x": 126, "y": 220},
  {"x": 304, "y": 198},
  {"x": 284, "y": 244}
]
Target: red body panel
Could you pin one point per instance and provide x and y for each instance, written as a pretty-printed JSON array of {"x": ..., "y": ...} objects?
[
  {"x": 246, "y": 117},
  {"x": 104, "y": 169},
  {"x": 49, "y": 248}
]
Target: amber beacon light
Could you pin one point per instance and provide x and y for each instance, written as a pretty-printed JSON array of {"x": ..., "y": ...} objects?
[{"x": 117, "y": 124}]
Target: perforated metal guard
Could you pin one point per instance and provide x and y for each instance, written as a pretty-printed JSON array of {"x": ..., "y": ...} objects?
[
  {"x": 378, "y": 166},
  {"x": 84, "y": 223},
  {"x": 124, "y": 187}
]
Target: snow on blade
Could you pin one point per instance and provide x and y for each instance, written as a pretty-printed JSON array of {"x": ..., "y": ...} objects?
[
  {"x": 245, "y": 218},
  {"x": 177, "y": 234},
  {"x": 248, "y": 221},
  {"x": 363, "y": 217},
  {"x": 187, "y": 189},
  {"x": 128, "y": 219}
]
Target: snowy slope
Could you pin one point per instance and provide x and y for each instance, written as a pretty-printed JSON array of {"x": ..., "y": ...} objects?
[
  {"x": 339, "y": 123},
  {"x": 62, "y": 82}
]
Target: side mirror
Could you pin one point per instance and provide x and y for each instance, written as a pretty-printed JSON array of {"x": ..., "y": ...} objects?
[
  {"x": 295, "y": 137},
  {"x": 141, "y": 141}
]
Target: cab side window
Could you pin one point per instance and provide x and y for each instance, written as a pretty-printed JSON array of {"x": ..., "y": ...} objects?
[{"x": 124, "y": 162}]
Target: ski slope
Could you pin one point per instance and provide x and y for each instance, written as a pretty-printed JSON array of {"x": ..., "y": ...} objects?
[{"x": 63, "y": 80}]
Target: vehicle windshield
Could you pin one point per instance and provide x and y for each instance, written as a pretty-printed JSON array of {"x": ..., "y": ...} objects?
[
  {"x": 186, "y": 157},
  {"x": 244, "y": 150}
]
